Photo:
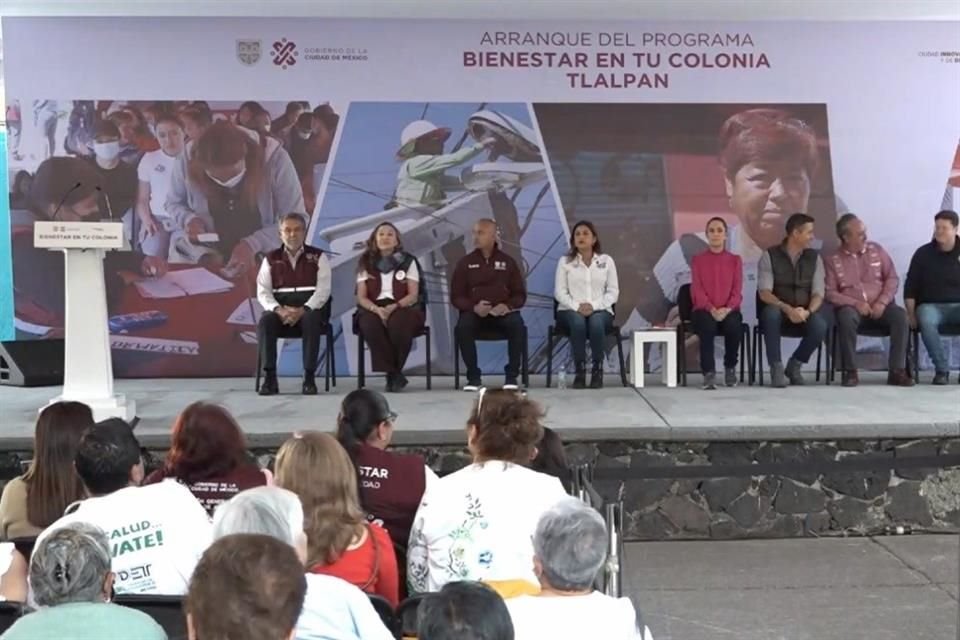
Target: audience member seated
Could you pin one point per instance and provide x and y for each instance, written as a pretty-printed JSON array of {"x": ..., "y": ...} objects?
[
  {"x": 716, "y": 291},
  {"x": 13, "y": 574},
  {"x": 465, "y": 611},
  {"x": 391, "y": 484},
  {"x": 36, "y": 499},
  {"x": 246, "y": 587},
  {"x": 570, "y": 547},
  {"x": 932, "y": 291},
  {"x": 477, "y": 523},
  {"x": 340, "y": 542},
  {"x": 388, "y": 302},
  {"x": 333, "y": 608},
  {"x": 157, "y": 533},
  {"x": 208, "y": 454},
  {"x": 861, "y": 282},
  {"x": 488, "y": 288},
  {"x": 791, "y": 283},
  {"x": 72, "y": 585},
  {"x": 586, "y": 288}
]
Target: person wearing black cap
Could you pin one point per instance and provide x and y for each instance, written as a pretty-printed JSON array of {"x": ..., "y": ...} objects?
[{"x": 62, "y": 189}]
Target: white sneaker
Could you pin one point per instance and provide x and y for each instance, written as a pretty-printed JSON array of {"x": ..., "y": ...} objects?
[
  {"x": 472, "y": 388},
  {"x": 510, "y": 387}
]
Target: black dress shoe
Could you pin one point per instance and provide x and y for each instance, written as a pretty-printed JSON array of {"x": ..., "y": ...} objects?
[
  {"x": 269, "y": 385},
  {"x": 400, "y": 382},
  {"x": 309, "y": 384},
  {"x": 596, "y": 376},
  {"x": 391, "y": 383}
]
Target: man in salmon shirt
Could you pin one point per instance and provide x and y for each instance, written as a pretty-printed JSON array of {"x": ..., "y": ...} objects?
[
  {"x": 862, "y": 282},
  {"x": 488, "y": 289}
]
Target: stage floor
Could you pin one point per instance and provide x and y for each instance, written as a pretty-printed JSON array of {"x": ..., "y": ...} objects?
[{"x": 816, "y": 411}]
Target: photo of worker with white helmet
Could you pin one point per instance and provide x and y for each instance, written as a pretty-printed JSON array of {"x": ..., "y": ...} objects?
[{"x": 422, "y": 179}]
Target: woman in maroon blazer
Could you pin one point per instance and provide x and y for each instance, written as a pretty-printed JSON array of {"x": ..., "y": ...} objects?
[{"x": 717, "y": 278}]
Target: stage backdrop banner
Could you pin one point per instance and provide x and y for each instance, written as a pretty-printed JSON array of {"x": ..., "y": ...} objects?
[{"x": 200, "y": 133}]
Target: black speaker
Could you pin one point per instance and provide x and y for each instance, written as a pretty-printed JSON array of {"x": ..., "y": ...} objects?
[{"x": 31, "y": 363}]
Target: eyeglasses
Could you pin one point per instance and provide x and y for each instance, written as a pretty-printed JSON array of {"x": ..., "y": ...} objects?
[
  {"x": 392, "y": 416},
  {"x": 482, "y": 391}
]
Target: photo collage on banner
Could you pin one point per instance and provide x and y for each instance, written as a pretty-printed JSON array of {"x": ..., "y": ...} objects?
[
  {"x": 199, "y": 187},
  {"x": 491, "y": 166}
]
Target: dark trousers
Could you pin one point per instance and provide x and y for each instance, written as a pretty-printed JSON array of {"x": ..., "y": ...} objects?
[
  {"x": 390, "y": 342},
  {"x": 814, "y": 333},
  {"x": 707, "y": 329},
  {"x": 470, "y": 324},
  {"x": 594, "y": 326},
  {"x": 894, "y": 319},
  {"x": 310, "y": 329}
]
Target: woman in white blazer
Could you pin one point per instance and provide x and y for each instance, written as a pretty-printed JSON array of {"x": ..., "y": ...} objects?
[{"x": 586, "y": 290}]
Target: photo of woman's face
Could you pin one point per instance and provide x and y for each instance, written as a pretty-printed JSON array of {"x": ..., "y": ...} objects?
[{"x": 764, "y": 194}]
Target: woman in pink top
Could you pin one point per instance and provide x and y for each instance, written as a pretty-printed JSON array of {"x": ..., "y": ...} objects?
[{"x": 717, "y": 279}]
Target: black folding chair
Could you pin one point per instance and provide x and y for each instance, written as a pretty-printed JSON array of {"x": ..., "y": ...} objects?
[
  {"x": 685, "y": 307},
  {"x": 362, "y": 345},
  {"x": 560, "y": 331},
  {"x": 787, "y": 330},
  {"x": 868, "y": 328},
  {"x": 946, "y": 330},
  {"x": 493, "y": 335},
  {"x": 9, "y": 613},
  {"x": 328, "y": 358},
  {"x": 166, "y": 610},
  {"x": 407, "y": 615},
  {"x": 387, "y": 615}
]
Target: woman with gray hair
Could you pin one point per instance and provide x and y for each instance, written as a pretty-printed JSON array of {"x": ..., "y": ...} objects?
[
  {"x": 333, "y": 608},
  {"x": 570, "y": 547},
  {"x": 72, "y": 585}
]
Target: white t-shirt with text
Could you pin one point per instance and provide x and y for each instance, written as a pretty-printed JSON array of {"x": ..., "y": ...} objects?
[{"x": 157, "y": 534}]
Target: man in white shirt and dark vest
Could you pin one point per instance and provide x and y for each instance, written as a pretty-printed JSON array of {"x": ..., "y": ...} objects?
[{"x": 293, "y": 287}]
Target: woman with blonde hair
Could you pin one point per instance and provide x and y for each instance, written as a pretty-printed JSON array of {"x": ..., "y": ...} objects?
[{"x": 340, "y": 541}]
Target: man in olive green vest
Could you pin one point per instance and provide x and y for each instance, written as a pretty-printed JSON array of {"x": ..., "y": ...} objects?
[{"x": 790, "y": 282}]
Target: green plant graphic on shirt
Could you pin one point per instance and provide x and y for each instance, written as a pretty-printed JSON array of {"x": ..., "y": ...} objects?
[{"x": 462, "y": 539}]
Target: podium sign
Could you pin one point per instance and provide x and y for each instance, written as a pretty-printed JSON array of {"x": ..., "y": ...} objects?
[
  {"x": 87, "y": 365},
  {"x": 78, "y": 235}
]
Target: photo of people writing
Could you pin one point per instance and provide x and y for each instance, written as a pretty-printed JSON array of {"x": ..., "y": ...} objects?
[{"x": 200, "y": 187}]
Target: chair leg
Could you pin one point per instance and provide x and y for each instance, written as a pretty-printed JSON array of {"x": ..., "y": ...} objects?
[
  {"x": 758, "y": 345},
  {"x": 525, "y": 363},
  {"x": 456, "y": 365},
  {"x": 361, "y": 364},
  {"x": 744, "y": 338},
  {"x": 682, "y": 353},
  {"x": 429, "y": 363},
  {"x": 256, "y": 384},
  {"x": 819, "y": 354},
  {"x": 328, "y": 358},
  {"x": 333, "y": 358},
  {"x": 549, "y": 355},
  {"x": 623, "y": 368},
  {"x": 916, "y": 356}
]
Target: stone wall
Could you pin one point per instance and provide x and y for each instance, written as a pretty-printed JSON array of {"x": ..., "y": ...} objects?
[{"x": 772, "y": 506}]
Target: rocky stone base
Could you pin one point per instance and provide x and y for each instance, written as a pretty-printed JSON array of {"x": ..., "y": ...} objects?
[{"x": 765, "y": 506}]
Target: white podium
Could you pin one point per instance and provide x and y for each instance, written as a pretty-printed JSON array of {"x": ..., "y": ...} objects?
[{"x": 87, "y": 366}]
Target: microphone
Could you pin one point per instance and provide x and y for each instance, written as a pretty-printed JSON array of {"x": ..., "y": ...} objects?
[
  {"x": 106, "y": 199},
  {"x": 56, "y": 212}
]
